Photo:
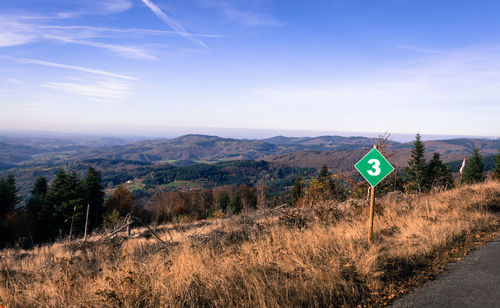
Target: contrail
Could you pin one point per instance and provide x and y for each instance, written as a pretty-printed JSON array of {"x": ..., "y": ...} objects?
[
  {"x": 129, "y": 30},
  {"x": 178, "y": 28},
  {"x": 73, "y": 67}
]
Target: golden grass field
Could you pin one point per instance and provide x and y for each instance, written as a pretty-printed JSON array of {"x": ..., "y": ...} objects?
[{"x": 315, "y": 256}]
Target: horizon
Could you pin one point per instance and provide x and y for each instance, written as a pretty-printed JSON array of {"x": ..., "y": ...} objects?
[
  {"x": 150, "y": 133},
  {"x": 330, "y": 66}
]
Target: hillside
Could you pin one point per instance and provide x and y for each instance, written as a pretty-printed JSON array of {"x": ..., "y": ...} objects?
[
  {"x": 32, "y": 151},
  {"x": 120, "y": 160},
  {"x": 284, "y": 257},
  {"x": 36, "y": 149}
]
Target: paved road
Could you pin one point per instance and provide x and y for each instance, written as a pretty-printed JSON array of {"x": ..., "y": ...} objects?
[{"x": 472, "y": 282}]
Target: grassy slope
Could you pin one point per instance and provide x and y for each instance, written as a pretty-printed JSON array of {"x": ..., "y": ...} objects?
[{"x": 289, "y": 257}]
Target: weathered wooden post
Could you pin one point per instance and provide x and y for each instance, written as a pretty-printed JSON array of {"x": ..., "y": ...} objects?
[{"x": 374, "y": 168}]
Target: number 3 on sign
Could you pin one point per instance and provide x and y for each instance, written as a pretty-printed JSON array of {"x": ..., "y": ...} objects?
[{"x": 375, "y": 166}]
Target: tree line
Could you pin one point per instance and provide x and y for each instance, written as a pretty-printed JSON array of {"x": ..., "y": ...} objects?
[
  {"x": 59, "y": 208},
  {"x": 419, "y": 176},
  {"x": 424, "y": 176}
]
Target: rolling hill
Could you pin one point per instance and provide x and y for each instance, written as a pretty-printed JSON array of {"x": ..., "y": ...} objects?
[{"x": 120, "y": 159}]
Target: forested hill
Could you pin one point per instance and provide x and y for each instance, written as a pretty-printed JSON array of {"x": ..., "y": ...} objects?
[
  {"x": 31, "y": 151},
  {"x": 162, "y": 161}
]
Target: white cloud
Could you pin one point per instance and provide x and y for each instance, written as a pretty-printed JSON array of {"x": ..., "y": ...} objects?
[
  {"x": 14, "y": 80},
  {"x": 450, "y": 91},
  {"x": 101, "y": 7},
  {"x": 251, "y": 16},
  {"x": 172, "y": 23},
  {"x": 114, "y": 6},
  {"x": 100, "y": 89},
  {"x": 131, "y": 52},
  {"x": 99, "y": 31},
  {"x": 466, "y": 77},
  {"x": 74, "y": 67},
  {"x": 14, "y": 32},
  {"x": 21, "y": 30}
]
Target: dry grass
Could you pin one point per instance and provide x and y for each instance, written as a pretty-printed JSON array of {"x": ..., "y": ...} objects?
[{"x": 292, "y": 257}]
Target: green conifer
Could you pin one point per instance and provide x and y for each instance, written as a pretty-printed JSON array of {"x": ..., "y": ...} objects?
[
  {"x": 236, "y": 205},
  {"x": 94, "y": 197},
  {"x": 437, "y": 174},
  {"x": 297, "y": 191},
  {"x": 8, "y": 195},
  {"x": 224, "y": 202},
  {"x": 496, "y": 172},
  {"x": 417, "y": 165},
  {"x": 36, "y": 201},
  {"x": 323, "y": 173},
  {"x": 474, "y": 169}
]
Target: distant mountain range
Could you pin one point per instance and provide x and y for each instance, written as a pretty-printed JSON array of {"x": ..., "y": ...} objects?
[
  {"x": 297, "y": 150},
  {"x": 122, "y": 159}
]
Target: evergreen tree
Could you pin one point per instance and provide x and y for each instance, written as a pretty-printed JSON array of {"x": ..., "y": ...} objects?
[
  {"x": 8, "y": 201},
  {"x": 38, "y": 194},
  {"x": 330, "y": 188},
  {"x": 8, "y": 195},
  {"x": 224, "y": 202},
  {"x": 473, "y": 171},
  {"x": 496, "y": 172},
  {"x": 236, "y": 205},
  {"x": 417, "y": 165},
  {"x": 437, "y": 174},
  {"x": 297, "y": 191},
  {"x": 35, "y": 207},
  {"x": 94, "y": 197},
  {"x": 323, "y": 173},
  {"x": 65, "y": 201}
]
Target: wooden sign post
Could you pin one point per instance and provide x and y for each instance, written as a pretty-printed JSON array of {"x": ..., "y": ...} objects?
[
  {"x": 374, "y": 168},
  {"x": 372, "y": 212}
]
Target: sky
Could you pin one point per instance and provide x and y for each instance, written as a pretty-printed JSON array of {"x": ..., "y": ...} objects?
[{"x": 402, "y": 66}]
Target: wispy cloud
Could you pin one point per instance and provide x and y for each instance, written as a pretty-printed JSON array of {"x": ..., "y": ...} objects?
[
  {"x": 426, "y": 50},
  {"x": 92, "y": 7},
  {"x": 113, "y": 6},
  {"x": 172, "y": 23},
  {"x": 74, "y": 67},
  {"x": 14, "y": 80},
  {"x": 21, "y": 30},
  {"x": 98, "y": 30},
  {"x": 15, "y": 32},
  {"x": 251, "y": 17},
  {"x": 104, "y": 90},
  {"x": 465, "y": 79},
  {"x": 131, "y": 52}
]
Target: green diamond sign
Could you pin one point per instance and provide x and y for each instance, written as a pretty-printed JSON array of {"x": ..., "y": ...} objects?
[{"x": 374, "y": 167}]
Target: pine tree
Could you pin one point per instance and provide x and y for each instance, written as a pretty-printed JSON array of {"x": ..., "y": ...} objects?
[
  {"x": 224, "y": 202},
  {"x": 65, "y": 201},
  {"x": 417, "y": 165},
  {"x": 35, "y": 207},
  {"x": 297, "y": 191},
  {"x": 8, "y": 201},
  {"x": 236, "y": 205},
  {"x": 94, "y": 197},
  {"x": 323, "y": 173},
  {"x": 8, "y": 195},
  {"x": 437, "y": 174},
  {"x": 473, "y": 171},
  {"x": 38, "y": 194},
  {"x": 496, "y": 172},
  {"x": 35, "y": 203}
]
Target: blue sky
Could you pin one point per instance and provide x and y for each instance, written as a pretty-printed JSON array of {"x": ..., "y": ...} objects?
[{"x": 403, "y": 66}]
